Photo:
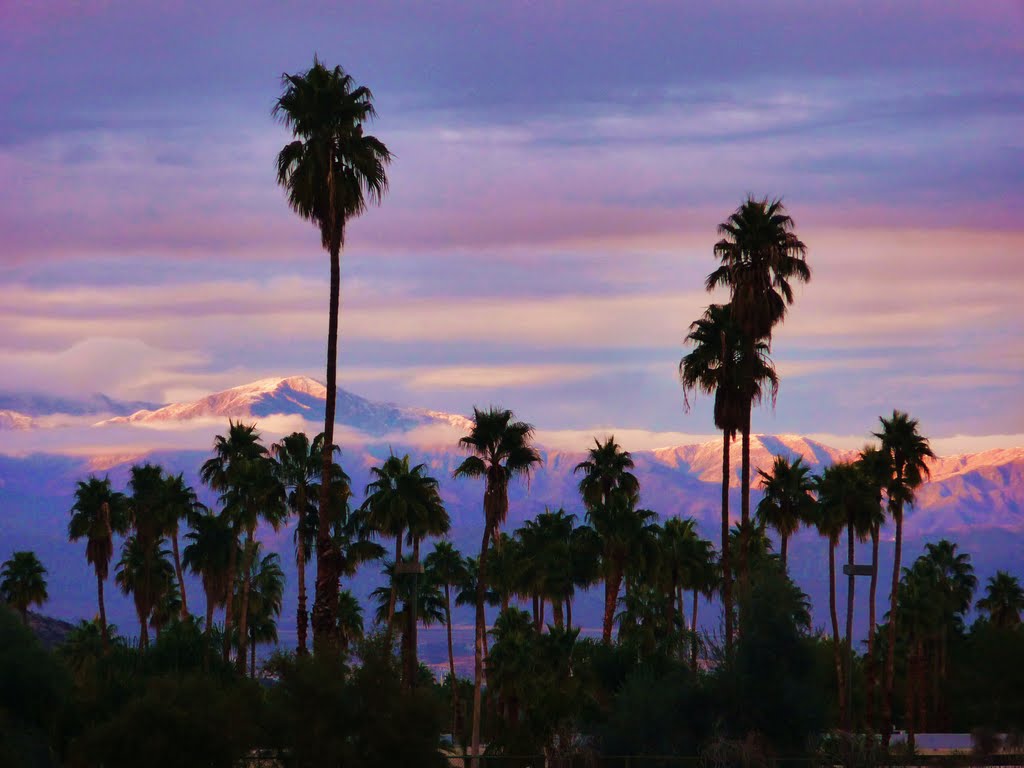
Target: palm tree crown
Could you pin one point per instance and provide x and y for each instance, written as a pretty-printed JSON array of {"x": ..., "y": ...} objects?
[
  {"x": 23, "y": 582},
  {"x": 1003, "y": 600}
]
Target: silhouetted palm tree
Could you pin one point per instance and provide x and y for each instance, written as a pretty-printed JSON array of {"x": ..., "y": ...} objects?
[
  {"x": 331, "y": 172},
  {"x": 719, "y": 360},
  {"x": 180, "y": 503},
  {"x": 298, "y": 465},
  {"x": 760, "y": 256},
  {"x": 446, "y": 566},
  {"x": 1003, "y": 600},
  {"x": 547, "y": 561},
  {"x": 619, "y": 526},
  {"x": 208, "y": 555},
  {"x": 907, "y": 452},
  {"x": 146, "y": 573},
  {"x": 97, "y": 514},
  {"x": 266, "y": 593},
  {"x": 830, "y": 518},
  {"x": 350, "y": 619},
  {"x": 23, "y": 582},
  {"x": 502, "y": 449},
  {"x": 606, "y": 470},
  {"x": 787, "y": 501}
]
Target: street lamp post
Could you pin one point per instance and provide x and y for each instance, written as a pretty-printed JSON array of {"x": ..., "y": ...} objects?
[{"x": 851, "y": 572}]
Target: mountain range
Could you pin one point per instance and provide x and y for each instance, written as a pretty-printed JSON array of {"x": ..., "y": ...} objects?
[{"x": 977, "y": 499}]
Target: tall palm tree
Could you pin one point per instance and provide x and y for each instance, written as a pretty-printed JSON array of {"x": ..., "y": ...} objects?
[
  {"x": 907, "y": 453},
  {"x": 256, "y": 495},
  {"x": 760, "y": 257},
  {"x": 703, "y": 578},
  {"x": 97, "y": 514},
  {"x": 678, "y": 549},
  {"x": 180, "y": 503},
  {"x": 714, "y": 367},
  {"x": 298, "y": 465},
  {"x": 447, "y": 567},
  {"x": 331, "y": 172},
  {"x": 606, "y": 470},
  {"x": 23, "y": 582},
  {"x": 208, "y": 555},
  {"x": 830, "y": 519},
  {"x": 787, "y": 501},
  {"x": 620, "y": 527},
  {"x": 502, "y": 449},
  {"x": 874, "y": 467},
  {"x": 1003, "y": 600},
  {"x": 227, "y": 472},
  {"x": 146, "y": 573}
]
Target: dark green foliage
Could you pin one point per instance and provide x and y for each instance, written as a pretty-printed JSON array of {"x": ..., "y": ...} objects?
[
  {"x": 773, "y": 687},
  {"x": 987, "y": 687},
  {"x": 34, "y": 691},
  {"x": 331, "y": 714}
]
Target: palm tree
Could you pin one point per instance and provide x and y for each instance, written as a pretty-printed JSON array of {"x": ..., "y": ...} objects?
[
  {"x": 209, "y": 555},
  {"x": 23, "y": 582},
  {"x": 256, "y": 495},
  {"x": 350, "y": 619},
  {"x": 145, "y": 572},
  {"x": 620, "y": 526},
  {"x": 1003, "y": 600},
  {"x": 97, "y": 514},
  {"x": 403, "y": 500},
  {"x": 266, "y": 594},
  {"x": 502, "y": 449},
  {"x": 760, "y": 255},
  {"x": 703, "y": 578},
  {"x": 298, "y": 464},
  {"x": 874, "y": 467},
  {"x": 446, "y": 566},
  {"x": 180, "y": 503},
  {"x": 227, "y": 472},
  {"x": 421, "y": 600},
  {"x": 907, "y": 453},
  {"x": 830, "y": 519},
  {"x": 547, "y": 561},
  {"x": 955, "y": 585},
  {"x": 787, "y": 501},
  {"x": 606, "y": 470},
  {"x": 720, "y": 358},
  {"x": 331, "y": 172}
]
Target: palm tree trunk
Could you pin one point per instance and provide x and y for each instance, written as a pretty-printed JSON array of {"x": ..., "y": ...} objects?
[
  {"x": 536, "y": 611},
  {"x": 328, "y": 566},
  {"x": 103, "y": 613},
  {"x": 725, "y": 562},
  {"x": 784, "y": 551},
  {"x": 252, "y": 655},
  {"x": 301, "y": 615},
  {"x": 413, "y": 623},
  {"x": 211, "y": 603},
  {"x": 568, "y": 613},
  {"x": 872, "y": 661},
  {"x": 556, "y": 610},
  {"x": 143, "y": 627},
  {"x": 849, "y": 627},
  {"x": 229, "y": 598},
  {"x": 693, "y": 624},
  {"x": 909, "y": 709},
  {"x": 540, "y": 622},
  {"x": 243, "y": 613},
  {"x": 451, "y": 657},
  {"x": 393, "y": 598},
  {"x": 611, "y": 597},
  {"x": 478, "y": 647},
  {"x": 890, "y": 651},
  {"x": 671, "y": 609},
  {"x": 836, "y": 655},
  {"x": 178, "y": 572},
  {"x": 744, "y": 553}
]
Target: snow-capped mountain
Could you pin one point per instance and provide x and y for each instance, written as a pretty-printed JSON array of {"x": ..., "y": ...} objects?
[
  {"x": 295, "y": 396},
  {"x": 35, "y": 405}
]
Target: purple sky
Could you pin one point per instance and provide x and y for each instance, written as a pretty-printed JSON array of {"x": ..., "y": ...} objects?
[{"x": 559, "y": 172}]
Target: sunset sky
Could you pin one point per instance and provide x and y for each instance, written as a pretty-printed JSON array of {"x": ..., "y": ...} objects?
[{"x": 560, "y": 168}]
